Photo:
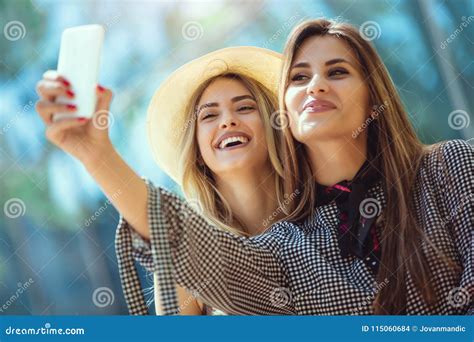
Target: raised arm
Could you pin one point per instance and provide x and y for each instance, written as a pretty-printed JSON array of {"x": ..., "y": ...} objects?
[{"x": 88, "y": 141}]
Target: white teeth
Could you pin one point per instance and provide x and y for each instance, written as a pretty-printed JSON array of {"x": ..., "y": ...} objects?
[{"x": 226, "y": 141}]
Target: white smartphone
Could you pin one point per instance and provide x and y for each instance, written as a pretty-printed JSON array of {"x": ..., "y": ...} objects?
[{"x": 79, "y": 61}]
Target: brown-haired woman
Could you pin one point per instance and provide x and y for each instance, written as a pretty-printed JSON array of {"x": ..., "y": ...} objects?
[{"x": 383, "y": 223}]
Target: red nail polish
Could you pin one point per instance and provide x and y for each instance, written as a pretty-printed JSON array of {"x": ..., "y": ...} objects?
[
  {"x": 100, "y": 88},
  {"x": 70, "y": 93},
  {"x": 71, "y": 106},
  {"x": 66, "y": 83},
  {"x": 82, "y": 119}
]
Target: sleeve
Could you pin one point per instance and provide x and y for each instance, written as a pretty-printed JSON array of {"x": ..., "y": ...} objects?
[
  {"x": 456, "y": 183},
  {"x": 129, "y": 246},
  {"x": 129, "y": 279},
  {"x": 235, "y": 274}
]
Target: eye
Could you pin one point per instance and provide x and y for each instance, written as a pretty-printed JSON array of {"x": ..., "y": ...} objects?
[
  {"x": 299, "y": 77},
  {"x": 206, "y": 116},
  {"x": 245, "y": 108},
  {"x": 337, "y": 72}
]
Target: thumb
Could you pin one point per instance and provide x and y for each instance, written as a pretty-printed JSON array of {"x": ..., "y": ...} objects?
[{"x": 104, "y": 97}]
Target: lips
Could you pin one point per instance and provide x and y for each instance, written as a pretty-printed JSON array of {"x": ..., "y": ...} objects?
[
  {"x": 318, "y": 105},
  {"x": 232, "y": 140}
]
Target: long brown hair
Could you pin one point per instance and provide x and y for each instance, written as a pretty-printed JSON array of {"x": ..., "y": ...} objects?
[
  {"x": 197, "y": 179},
  {"x": 391, "y": 133}
]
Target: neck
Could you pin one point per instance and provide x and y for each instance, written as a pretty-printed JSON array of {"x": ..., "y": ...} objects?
[
  {"x": 336, "y": 160},
  {"x": 251, "y": 195}
]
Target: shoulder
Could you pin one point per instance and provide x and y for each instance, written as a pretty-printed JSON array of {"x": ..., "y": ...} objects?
[
  {"x": 449, "y": 166},
  {"x": 449, "y": 157},
  {"x": 451, "y": 151},
  {"x": 163, "y": 196}
]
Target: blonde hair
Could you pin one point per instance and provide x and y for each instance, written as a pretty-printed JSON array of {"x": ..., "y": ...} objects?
[
  {"x": 392, "y": 134},
  {"x": 197, "y": 179}
]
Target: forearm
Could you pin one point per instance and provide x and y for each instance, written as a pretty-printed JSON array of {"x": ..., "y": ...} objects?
[{"x": 122, "y": 186}]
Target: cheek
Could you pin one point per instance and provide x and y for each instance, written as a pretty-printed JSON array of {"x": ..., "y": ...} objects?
[
  {"x": 204, "y": 143},
  {"x": 355, "y": 98},
  {"x": 255, "y": 123},
  {"x": 292, "y": 99}
]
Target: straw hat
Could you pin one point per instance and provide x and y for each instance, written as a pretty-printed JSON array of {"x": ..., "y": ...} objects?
[{"x": 167, "y": 119}]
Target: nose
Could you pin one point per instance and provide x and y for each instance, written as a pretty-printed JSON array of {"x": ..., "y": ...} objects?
[
  {"x": 228, "y": 120},
  {"x": 317, "y": 85}
]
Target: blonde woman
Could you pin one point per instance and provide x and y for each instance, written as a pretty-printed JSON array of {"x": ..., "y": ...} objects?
[
  {"x": 210, "y": 127},
  {"x": 384, "y": 224}
]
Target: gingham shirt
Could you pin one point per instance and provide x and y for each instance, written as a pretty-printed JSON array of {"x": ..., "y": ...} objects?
[{"x": 298, "y": 268}]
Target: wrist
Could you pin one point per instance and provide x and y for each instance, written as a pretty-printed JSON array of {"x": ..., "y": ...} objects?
[{"x": 98, "y": 155}]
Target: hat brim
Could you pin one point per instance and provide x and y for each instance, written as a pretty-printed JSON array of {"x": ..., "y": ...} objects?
[{"x": 167, "y": 119}]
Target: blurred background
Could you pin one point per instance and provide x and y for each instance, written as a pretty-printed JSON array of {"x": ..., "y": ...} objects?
[{"x": 54, "y": 259}]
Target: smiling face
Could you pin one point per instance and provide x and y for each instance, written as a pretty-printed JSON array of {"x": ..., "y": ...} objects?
[
  {"x": 326, "y": 96},
  {"x": 230, "y": 132}
]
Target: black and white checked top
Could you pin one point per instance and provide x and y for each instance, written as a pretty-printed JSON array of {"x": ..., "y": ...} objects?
[{"x": 298, "y": 269}]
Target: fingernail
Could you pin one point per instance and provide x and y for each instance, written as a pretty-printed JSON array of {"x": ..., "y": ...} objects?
[
  {"x": 66, "y": 83},
  {"x": 70, "y": 93},
  {"x": 82, "y": 119},
  {"x": 71, "y": 106},
  {"x": 100, "y": 88}
]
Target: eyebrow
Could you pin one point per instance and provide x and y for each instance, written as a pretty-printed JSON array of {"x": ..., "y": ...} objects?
[
  {"x": 327, "y": 63},
  {"x": 233, "y": 100}
]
